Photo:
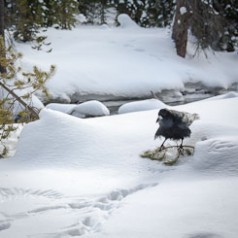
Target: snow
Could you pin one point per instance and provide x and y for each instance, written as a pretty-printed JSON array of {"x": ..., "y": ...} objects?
[
  {"x": 142, "y": 105},
  {"x": 127, "y": 61},
  {"x": 183, "y": 10},
  {"x": 87, "y": 109},
  {"x": 74, "y": 177},
  {"x": 85, "y": 177},
  {"x": 126, "y": 22}
]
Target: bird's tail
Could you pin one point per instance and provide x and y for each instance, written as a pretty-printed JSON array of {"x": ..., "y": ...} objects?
[
  {"x": 195, "y": 116},
  {"x": 190, "y": 118}
]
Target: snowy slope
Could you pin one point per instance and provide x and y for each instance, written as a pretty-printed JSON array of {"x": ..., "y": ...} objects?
[{"x": 84, "y": 177}]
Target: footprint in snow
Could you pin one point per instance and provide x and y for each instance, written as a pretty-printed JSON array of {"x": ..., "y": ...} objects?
[{"x": 91, "y": 213}]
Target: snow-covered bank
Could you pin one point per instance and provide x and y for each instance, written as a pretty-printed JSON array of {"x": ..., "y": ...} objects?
[
  {"x": 85, "y": 177},
  {"x": 125, "y": 62}
]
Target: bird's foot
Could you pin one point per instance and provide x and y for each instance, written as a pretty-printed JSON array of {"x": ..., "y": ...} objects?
[{"x": 162, "y": 148}]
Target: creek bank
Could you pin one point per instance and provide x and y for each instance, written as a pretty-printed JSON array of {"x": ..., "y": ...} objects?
[{"x": 190, "y": 93}]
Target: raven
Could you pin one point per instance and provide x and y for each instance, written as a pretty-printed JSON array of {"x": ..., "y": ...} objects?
[{"x": 174, "y": 125}]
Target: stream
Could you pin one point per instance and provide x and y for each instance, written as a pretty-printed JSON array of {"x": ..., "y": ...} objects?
[{"x": 192, "y": 91}]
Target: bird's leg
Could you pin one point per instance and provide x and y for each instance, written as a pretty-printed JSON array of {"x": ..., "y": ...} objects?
[
  {"x": 181, "y": 145},
  {"x": 180, "y": 148},
  {"x": 162, "y": 145}
]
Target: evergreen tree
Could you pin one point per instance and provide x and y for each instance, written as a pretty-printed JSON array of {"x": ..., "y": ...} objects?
[
  {"x": 26, "y": 17},
  {"x": 146, "y": 13},
  {"x": 61, "y": 14},
  {"x": 13, "y": 87},
  {"x": 165, "y": 12},
  {"x": 13, "y": 91},
  {"x": 95, "y": 11},
  {"x": 213, "y": 23},
  {"x": 228, "y": 11}
]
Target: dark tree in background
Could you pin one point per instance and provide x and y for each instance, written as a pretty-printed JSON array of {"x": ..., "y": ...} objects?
[
  {"x": 93, "y": 10},
  {"x": 146, "y": 13},
  {"x": 213, "y": 22},
  {"x": 2, "y": 18},
  {"x": 61, "y": 14},
  {"x": 181, "y": 26},
  {"x": 228, "y": 12},
  {"x": 2, "y": 38},
  {"x": 26, "y": 17}
]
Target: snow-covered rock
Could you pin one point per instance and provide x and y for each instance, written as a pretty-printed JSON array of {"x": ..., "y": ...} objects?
[
  {"x": 126, "y": 22},
  {"x": 91, "y": 108},
  {"x": 143, "y": 105},
  {"x": 65, "y": 108}
]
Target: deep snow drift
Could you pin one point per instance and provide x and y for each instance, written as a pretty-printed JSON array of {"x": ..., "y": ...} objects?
[{"x": 85, "y": 177}]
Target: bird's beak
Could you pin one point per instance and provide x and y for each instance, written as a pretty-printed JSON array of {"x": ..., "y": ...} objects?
[{"x": 158, "y": 119}]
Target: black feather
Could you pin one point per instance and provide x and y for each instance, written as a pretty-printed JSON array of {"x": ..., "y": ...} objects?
[{"x": 174, "y": 125}]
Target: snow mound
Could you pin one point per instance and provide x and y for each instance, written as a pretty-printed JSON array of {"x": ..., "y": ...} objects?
[
  {"x": 65, "y": 108},
  {"x": 126, "y": 22},
  {"x": 217, "y": 155},
  {"x": 69, "y": 141},
  {"x": 91, "y": 108},
  {"x": 142, "y": 105}
]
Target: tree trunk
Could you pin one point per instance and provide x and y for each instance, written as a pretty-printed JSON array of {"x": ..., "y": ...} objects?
[
  {"x": 2, "y": 49},
  {"x": 2, "y": 18},
  {"x": 181, "y": 26}
]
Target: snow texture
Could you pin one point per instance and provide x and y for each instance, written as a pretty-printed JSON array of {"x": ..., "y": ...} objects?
[
  {"x": 84, "y": 177},
  {"x": 90, "y": 108},
  {"x": 126, "y": 61},
  {"x": 74, "y": 177},
  {"x": 142, "y": 105}
]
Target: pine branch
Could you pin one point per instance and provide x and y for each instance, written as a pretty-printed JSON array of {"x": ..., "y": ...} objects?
[{"x": 20, "y": 100}]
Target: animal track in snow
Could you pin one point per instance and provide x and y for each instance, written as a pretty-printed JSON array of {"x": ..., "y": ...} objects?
[
  {"x": 100, "y": 209},
  {"x": 218, "y": 146},
  {"x": 91, "y": 213},
  {"x": 88, "y": 215},
  {"x": 4, "y": 225},
  {"x": 14, "y": 193}
]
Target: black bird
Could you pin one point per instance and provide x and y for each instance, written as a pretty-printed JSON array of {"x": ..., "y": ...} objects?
[{"x": 174, "y": 125}]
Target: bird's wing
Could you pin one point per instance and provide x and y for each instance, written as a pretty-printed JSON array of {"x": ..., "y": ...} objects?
[
  {"x": 184, "y": 117},
  {"x": 166, "y": 123}
]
